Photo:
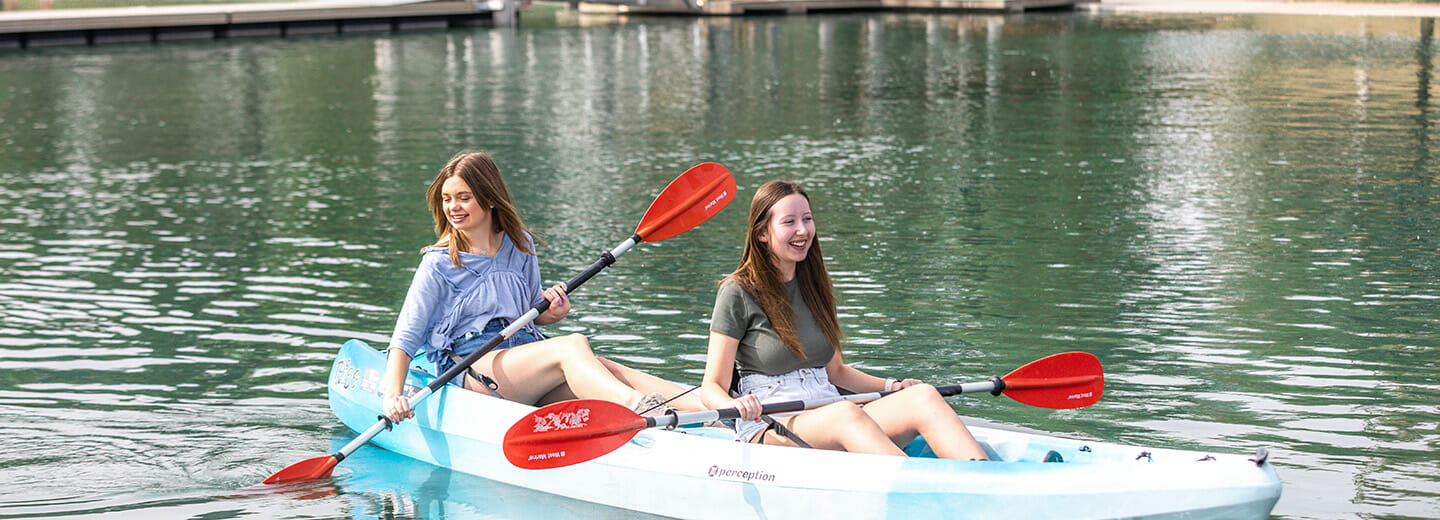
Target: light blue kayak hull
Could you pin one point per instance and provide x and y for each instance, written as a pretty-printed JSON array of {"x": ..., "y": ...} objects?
[{"x": 700, "y": 473}]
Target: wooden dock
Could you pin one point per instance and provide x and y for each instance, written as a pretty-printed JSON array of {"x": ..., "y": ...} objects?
[
  {"x": 756, "y": 7},
  {"x": 43, "y": 28},
  {"x": 40, "y": 28}
]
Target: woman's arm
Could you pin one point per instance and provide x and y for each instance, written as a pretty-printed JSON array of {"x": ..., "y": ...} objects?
[
  {"x": 854, "y": 379},
  {"x": 421, "y": 300},
  {"x": 396, "y": 405},
  {"x": 719, "y": 368}
]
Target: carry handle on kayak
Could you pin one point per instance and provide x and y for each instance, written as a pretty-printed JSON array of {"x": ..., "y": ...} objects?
[
  {"x": 692, "y": 198},
  {"x": 572, "y": 432}
]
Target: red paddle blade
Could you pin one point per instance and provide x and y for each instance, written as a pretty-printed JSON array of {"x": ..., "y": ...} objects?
[
  {"x": 308, "y": 469},
  {"x": 570, "y": 432},
  {"x": 1065, "y": 380},
  {"x": 692, "y": 198}
]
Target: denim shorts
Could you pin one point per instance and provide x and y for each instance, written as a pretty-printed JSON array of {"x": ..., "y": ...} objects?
[
  {"x": 472, "y": 341},
  {"x": 803, "y": 384}
]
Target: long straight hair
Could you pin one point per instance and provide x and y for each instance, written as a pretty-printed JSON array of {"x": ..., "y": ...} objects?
[
  {"x": 482, "y": 176},
  {"x": 758, "y": 275}
]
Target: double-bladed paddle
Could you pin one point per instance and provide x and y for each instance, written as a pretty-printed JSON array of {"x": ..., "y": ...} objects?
[
  {"x": 692, "y": 198},
  {"x": 572, "y": 432}
]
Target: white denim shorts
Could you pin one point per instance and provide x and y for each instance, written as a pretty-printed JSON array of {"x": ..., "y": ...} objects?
[{"x": 803, "y": 384}]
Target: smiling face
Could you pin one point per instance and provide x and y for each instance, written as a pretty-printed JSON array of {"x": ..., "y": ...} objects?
[
  {"x": 789, "y": 233},
  {"x": 463, "y": 209}
]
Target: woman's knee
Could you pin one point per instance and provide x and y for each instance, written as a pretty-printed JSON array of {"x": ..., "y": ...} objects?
[
  {"x": 924, "y": 394},
  {"x": 847, "y": 426},
  {"x": 845, "y": 412},
  {"x": 576, "y": 344}
]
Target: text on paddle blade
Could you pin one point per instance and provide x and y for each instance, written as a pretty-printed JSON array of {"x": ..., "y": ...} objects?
[{"x": 562, "y": 421}]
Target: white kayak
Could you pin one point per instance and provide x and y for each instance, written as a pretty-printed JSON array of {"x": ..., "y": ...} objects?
[{"x": 703, "y": 473}]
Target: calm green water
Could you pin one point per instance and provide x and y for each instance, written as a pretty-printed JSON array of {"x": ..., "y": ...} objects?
[{"x": 1239, "y": 220}]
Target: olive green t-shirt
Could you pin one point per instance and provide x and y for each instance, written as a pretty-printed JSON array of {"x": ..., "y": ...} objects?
[{"x": 739, "y": 316}]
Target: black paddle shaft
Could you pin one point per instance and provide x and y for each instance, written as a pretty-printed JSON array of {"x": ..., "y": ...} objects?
[
  {"x": 801, "y": 405},
  {"x": 798, "y": 405}
]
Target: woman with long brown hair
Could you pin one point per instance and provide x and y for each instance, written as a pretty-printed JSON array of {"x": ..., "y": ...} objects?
[
  {"x": 480, "y": 275},
  {"x": 775, "y": 326}
]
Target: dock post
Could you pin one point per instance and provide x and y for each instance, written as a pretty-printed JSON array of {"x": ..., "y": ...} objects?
[{"x": 507, "y": 15}]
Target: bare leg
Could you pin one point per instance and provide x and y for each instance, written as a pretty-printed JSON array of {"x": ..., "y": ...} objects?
[
  {"x": 646, "y": 383},
  {"x": 560, "y": 393},
  {"x": 920, "y": 410},
  {"x": 642, "y": 382},
  {"x": 529, "y": 372},
  {"x": 837, "y": 426}
]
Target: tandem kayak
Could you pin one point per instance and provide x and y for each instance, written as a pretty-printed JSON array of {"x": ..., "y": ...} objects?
[{"x": 703, "y": 473}]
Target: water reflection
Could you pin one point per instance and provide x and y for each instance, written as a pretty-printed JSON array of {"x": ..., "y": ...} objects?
[
  {"x": 1236, "y": 219},
  {"x": 1424, "y": 62},
  {"x": 380, "y": 484}
]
